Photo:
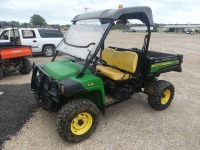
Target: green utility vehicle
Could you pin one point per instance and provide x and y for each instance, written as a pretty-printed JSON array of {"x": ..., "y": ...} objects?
[{"x": 93, "y": 77}]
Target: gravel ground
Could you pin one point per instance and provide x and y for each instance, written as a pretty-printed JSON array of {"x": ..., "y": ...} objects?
[
  {"x": 131, "y": 124},
  {"x": 17, "y": 105}
]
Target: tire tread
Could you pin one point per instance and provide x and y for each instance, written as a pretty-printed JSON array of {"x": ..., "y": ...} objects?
[
  {"x": 26, "y": 66},
  {"x": 67, "y": 113},
  {"x": 155, "y": 99}
]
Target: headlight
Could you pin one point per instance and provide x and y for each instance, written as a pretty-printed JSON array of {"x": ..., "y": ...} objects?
[
  {"x": 62, "y": 88},
  {"x": 39, "y": 73}
]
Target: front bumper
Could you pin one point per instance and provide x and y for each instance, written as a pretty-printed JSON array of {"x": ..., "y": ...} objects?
[{"x": 43, "y": 86}]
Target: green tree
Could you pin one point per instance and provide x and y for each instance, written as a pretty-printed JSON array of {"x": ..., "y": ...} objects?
[
  {"x": 37, "y": 20},
  {"x": 25, "y": 25},
  {"x": 16, "y": 23}
]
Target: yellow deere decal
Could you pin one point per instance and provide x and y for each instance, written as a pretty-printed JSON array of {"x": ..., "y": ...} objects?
[
  {"x": 162, "y": 64},
  {"x": 157, "y": 66},
  {"x": 90, "y": 84}
]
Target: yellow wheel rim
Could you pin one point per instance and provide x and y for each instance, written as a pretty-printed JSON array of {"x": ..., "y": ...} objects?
[
  {"x": 166, "y": 97},
  {"x": 81, "y": 123}
]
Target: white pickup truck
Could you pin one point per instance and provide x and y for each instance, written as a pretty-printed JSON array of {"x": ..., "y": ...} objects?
[{"x": 41, "y": 40}]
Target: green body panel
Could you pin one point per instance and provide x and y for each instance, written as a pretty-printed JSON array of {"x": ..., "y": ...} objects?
[
  {"x": 61, "y": 69},
  {"x": 157, "y": 66},
  {"x": 64, "y": 68},
  {"x": 92, "y": 83}
]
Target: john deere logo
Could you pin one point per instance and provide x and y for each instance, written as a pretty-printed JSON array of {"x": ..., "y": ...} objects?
[
  {"x": 162, "y": 64},
  {"x": 90, "y": 84}
]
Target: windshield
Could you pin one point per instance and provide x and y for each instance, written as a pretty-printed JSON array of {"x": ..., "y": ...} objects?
[{"x": 83, "y": 38}]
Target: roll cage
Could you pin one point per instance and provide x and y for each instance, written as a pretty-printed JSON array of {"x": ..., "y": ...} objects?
[{"x": 142, "y": 13}]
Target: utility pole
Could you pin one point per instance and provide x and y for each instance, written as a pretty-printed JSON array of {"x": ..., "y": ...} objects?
[{"x": 85, "y": 11}]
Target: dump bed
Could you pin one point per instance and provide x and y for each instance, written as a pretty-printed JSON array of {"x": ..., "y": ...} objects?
[
  {"x": 158, "y": 63},
  {"x": 9, "y": 50}
]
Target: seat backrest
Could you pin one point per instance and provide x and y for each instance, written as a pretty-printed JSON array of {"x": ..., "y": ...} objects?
[
  {"x": 126, "y": 60},
  {"x": 108, "y": 55}
]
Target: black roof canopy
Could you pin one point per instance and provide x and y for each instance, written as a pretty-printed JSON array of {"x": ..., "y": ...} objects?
[
  {"x": 142, "y": 13},
  {"x": 6, "y": 23}
]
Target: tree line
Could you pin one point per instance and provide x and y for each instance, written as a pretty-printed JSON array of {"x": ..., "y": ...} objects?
[{"x": 35, "y": 21}]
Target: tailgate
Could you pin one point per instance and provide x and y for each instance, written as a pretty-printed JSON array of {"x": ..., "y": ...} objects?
[{"x": 14, "y": 52}]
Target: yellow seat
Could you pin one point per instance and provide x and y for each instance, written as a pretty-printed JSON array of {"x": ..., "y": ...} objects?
[
  {"x": 127, "y": 61},
  {"x": 108, "y": 55},
  {"x": 100, "y": 67},
  {"x": 124, "y": 60},
  {"x": 114, "y": 74}
]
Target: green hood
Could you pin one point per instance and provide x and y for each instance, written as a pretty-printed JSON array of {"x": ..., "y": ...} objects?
[{"x": 64, "y": 68}]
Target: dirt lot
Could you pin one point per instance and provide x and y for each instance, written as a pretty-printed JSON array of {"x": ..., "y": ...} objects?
[{"x": 131, "y": 124}]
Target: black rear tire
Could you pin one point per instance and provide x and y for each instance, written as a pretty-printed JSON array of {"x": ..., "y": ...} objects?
[
  {"x": 77, "y": 120},
  {"x": 26, "y": 66},
  {"x": 48, "y": 50},
  {"x": 162, "y": 96},
  {"x": 1, "y": 72}
]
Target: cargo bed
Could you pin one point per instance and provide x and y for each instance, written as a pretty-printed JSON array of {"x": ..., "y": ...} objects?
[
  {"x": 12, "y": 58},
  {"x": 9, "y": 50},
  {"x": 163, "y": 62}
]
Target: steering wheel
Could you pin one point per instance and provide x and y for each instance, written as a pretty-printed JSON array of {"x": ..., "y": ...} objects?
[{"x": 101, "y": 61}]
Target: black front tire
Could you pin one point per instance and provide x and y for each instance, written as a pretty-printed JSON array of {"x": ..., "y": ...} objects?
[
  {"x": 77, "y": 120},
  {"x": 1, "y": 72},
  {"x": 48, "y": 50},
  {"x": 162, "y": 96},
  {"x": 26, "y": 66}
]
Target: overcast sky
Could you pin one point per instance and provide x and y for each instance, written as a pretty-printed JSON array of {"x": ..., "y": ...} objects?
[{"x": 62, "y": 11}]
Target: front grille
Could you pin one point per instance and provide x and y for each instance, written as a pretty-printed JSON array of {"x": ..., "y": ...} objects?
[
  {"x": 46, "y": 83},
  {"x": 42, "y": 82}
]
